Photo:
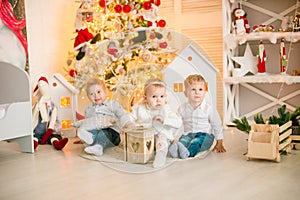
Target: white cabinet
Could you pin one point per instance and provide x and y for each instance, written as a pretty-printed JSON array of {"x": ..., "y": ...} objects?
[{"x": 246, "y": 95}]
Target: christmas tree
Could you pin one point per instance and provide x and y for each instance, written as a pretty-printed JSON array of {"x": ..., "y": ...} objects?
[{"x": 123, "y": 42}]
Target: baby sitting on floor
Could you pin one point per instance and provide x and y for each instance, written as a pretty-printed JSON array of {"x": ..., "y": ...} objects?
[{"x": 155, "y": 112}]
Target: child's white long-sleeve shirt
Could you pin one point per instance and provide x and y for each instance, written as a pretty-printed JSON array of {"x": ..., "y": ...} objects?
[
  {"x": 202, "y": 119},
  {"x": 142, "y": 115},
  {"x": 108, "y": 108}
]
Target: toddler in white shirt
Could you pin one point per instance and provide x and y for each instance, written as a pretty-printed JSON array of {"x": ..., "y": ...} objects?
[{"x": 155, "y": 112}]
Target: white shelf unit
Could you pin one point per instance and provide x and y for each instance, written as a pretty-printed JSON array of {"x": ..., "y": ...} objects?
[
  {"x": 273, "y": 37},
  {"x": 232, "y": 87},
  {"x": 251, "y": 94}
]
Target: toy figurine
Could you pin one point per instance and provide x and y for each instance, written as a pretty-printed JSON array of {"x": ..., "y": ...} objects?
[
  {"x": 283, "y": 59},
  {"x": 296, "y": 22},
  {"x": 45, "y": 122},
  {"x": 83, "y": 14},
  {"x": 261, "y": 58},
  {"x": 241, "y": 24}
]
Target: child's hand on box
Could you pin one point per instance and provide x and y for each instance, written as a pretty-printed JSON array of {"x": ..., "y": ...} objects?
[{"x": 130, "y": 125}]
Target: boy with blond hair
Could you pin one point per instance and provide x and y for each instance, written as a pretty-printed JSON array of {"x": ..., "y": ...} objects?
[{"x": 201, "y": 122}]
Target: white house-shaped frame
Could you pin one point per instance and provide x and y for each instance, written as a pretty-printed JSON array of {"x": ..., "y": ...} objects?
[
  {"x": 189, "y": 61},
  {"x": 64, "y": 95}
]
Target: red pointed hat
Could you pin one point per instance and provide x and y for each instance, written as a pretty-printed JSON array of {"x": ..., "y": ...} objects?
[{"x": 42, "y": 78}]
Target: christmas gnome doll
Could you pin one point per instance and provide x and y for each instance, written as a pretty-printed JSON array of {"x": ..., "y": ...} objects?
[{"x": 45, "y": 122}]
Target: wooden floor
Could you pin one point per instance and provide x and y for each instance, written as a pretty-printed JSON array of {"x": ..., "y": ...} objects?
[{"x": 51, "y": 174}]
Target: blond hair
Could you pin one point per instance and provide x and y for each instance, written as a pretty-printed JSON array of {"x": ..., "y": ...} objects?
[
  {"x": 194, "y": 78},
  {"x": 156, "y": 82},
  {"x": 94, "y": 81}
]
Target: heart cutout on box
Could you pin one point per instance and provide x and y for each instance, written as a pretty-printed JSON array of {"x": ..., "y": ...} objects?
[
  {"x": 148, "y": 144},
  {"x": 135, "y": 146}
]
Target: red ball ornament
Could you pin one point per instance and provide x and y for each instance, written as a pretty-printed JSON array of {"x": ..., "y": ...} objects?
[
  {"x": 118, "y": 8},
  {"x": 73, "y": 73},
  {"x": 163, "y": 45},
  {"x": 126, "y": 8},
  {"x": 149, "y": 23},
  {"x": 102, "y": 3},
  {"x": 161, "y": 23},
  {"x": 156, "y": 2},
  {"x": 147, "y": 5}
]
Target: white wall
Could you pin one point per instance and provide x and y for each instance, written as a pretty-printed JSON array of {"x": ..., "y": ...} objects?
[{"x": 50, "y": 29}]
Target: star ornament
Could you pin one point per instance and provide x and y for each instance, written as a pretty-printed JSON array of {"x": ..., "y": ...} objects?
[{"x": 248, "y": 62}]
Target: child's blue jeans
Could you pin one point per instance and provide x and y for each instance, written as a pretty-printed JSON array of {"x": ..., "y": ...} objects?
[
  {"x": 106, "y": 137},
  {"x": 196, "y": 142}
]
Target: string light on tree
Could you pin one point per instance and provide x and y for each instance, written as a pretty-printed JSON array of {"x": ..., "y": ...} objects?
[{"x": 124, "y": 42}]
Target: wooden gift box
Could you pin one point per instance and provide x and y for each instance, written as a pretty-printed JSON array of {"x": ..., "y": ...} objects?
[
  {"x": 296, "y": 137},
  {"x": 267, "y": 140},
  {"x": 139, "y": 145},
  {"x": 295, "y": 141}
]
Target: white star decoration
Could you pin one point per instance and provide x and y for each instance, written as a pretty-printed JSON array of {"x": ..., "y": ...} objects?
[{"x": 248, "y": 62}]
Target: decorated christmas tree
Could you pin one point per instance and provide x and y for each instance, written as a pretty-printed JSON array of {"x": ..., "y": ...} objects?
[{"x": 123, "y": 42}]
